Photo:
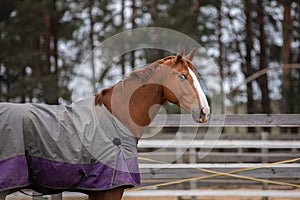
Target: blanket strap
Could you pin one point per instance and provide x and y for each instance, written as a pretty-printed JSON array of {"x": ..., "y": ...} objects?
[{"x": 86, "y": 174}]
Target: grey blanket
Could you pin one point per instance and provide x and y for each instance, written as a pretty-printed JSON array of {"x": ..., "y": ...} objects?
[{"x": 62, "y": 144}]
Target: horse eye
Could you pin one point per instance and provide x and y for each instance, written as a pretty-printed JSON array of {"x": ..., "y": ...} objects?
[{"x": 182, "y": 76}]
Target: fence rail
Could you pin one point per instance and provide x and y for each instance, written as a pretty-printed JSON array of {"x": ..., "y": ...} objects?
[
  {"x": 245, "y": 120},
  {"x": 226, "y": 144},
  {"x": 214, "y": 193},
  {"x": 182, "y": 171},
  {"x": 271, "y": 148}
]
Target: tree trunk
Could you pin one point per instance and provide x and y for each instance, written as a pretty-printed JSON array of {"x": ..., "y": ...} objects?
[
  {"x": 287, "y": 27},
  {"x": 133, "y": 26},
  {"x": 248, "y": 65},
  {"x": 92, "y": 44},
  {"x": 55, "y": 73},
  {"x": 263, "y": 63},
  {"x": 122, "y": 25},
  {"x": 46, "y": 73},
  {"x": 50, "y": 70},
  {"x": 220, "y": 58}
]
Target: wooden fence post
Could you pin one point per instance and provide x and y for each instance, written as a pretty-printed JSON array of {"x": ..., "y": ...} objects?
[
  {"x": 264, "y": 151},
  {"x": 193, "y": 159}
]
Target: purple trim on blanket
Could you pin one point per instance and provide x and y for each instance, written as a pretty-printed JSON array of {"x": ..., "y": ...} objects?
[
  {"x": 126, "y": 170},
  {"x": 13, "y": 173},
  {"x": 58, "y": 175},
  {"x": 103, "y": 176}
]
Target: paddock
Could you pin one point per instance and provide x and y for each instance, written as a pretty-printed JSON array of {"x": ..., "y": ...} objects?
[{"x": 263, "y": 165}]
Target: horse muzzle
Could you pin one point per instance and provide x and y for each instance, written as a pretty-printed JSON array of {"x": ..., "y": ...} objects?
[{"x": 201, "y": 116}]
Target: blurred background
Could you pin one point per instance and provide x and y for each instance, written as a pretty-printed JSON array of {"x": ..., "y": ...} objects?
[{"x": 256, "y": 45}]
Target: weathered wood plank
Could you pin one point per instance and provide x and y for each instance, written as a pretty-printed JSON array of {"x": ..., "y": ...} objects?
[
  {"x": 181, "y": 171},
  {"x": 227, "y": 136},
  {"x": 188, "y": 193},
  {"x": 217, "y": 157},
  {"x": 246, "y": 120},
  {"x": 213, "y": 193},
  {"x": 217, "y": 182},
  {"x": 225, "y": 154},
  {"x": 229, "y": 144}
]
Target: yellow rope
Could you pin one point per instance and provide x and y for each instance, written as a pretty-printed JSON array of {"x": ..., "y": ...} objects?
[{"x": 229, "y": 173}]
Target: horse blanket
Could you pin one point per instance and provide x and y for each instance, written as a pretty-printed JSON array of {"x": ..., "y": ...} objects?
[{"x": 76, "y": 147}]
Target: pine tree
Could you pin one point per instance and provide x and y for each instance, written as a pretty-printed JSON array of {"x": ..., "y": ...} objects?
[
  {"x": 263, "y": 61},
  {"x": 33, "y": 72}
]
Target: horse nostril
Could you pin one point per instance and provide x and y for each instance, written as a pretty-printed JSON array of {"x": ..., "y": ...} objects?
[
  {"x": 200, "y": 115},
  {"x": 204, "y": 113}
]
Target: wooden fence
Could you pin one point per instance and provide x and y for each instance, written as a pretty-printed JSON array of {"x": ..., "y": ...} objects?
[{"x": 236, "y": 158}]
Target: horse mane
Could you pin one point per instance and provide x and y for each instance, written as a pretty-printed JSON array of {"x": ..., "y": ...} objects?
[{"x": 143, "y": 75}]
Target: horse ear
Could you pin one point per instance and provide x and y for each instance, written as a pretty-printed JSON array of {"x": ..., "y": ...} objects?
[
  {"x": 99, "y": 97},
  {"x": 191, "y": 55},
  {"x": 180, "y": 55}
]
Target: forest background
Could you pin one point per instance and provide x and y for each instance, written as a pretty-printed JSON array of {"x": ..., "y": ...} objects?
[{"x": 42, "y": 44}]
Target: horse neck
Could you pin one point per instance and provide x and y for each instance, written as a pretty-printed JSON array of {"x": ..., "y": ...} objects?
[{"x": 134, "y": 106}]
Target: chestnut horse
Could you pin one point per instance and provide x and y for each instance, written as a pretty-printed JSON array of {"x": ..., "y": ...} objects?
[{"x": 135, "y": 100}]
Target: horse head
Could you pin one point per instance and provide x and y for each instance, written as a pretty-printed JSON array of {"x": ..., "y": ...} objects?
[
  {"x": 181, "y": 85},
  {"x": 133, "y": 100}
]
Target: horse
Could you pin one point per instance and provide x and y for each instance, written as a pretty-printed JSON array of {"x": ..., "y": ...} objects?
[{"x": 133, "y": 102}]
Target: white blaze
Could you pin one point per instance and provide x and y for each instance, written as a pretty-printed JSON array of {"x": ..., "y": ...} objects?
[{"x": 202, "y": 97}]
